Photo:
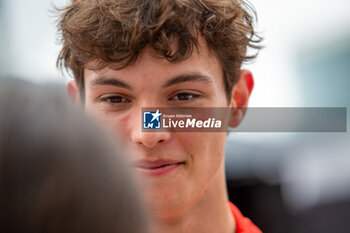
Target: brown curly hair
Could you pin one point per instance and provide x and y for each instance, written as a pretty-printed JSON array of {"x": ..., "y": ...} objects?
[{"x": 114, "y": 32}]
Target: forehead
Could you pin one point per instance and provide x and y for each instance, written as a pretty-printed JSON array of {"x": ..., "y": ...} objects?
[{"x": 150, "y": 66}]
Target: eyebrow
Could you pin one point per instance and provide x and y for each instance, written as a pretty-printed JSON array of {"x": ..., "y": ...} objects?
[
  {"x": 103, "y": 81},
  {"x": 191, "y": 77}
]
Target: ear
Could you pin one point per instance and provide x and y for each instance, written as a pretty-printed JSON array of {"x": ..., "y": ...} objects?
[
  {"x": 240, "y": 96},
  {"x": 73, "y": 92}
]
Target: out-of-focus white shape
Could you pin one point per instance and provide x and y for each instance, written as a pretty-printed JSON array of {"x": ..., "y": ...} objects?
[
  {"x": 32, "y": 33},
  {"x": 317, "y": 174},
  {"x": 289, "y": 26}
]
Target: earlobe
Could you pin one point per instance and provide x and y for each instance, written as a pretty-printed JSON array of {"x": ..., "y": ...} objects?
[
  {"x": 240, "y": 96},
  {"x": 73, "y": 92}
]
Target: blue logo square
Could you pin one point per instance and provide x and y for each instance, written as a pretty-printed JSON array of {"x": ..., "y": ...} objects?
[{"x": 151, "y": 120}]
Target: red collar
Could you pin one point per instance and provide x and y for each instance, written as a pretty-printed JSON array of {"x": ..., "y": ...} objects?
[{"x": 243, "y": 224}]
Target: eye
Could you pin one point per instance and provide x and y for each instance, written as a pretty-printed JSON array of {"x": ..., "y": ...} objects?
[
  {"x": 183, "y": 96},
  {"x": 115, "y": 99}
]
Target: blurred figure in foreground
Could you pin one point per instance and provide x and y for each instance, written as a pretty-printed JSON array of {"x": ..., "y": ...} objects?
[{"x": 58, "y": 171}]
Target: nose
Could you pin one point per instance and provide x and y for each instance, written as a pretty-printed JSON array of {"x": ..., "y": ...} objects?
[{"x": 148, "y": 139}]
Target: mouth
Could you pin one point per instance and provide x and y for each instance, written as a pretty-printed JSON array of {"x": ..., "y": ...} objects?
[{"x": 156, "y": 168}]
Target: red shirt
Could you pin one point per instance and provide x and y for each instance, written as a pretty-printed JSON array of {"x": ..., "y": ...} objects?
[{"x": 243, "y": 224}]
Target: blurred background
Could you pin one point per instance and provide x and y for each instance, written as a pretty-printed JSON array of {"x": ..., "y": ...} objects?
[{"x": 285, "y": 182}]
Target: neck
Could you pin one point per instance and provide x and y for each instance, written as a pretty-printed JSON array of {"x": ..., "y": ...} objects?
[{"x": 211, "y": 213}]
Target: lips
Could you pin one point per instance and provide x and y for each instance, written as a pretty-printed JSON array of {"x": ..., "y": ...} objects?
[{"x": 156, "y": 168}]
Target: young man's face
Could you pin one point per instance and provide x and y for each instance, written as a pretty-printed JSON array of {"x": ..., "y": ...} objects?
[{"x": 176, "y": 168}]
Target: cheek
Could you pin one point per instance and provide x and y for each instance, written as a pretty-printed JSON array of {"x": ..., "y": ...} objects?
[
  {"x": 207, "y": 151},
  {"x": 115, "y": 122}
]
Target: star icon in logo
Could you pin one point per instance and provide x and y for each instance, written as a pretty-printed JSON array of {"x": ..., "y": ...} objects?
[{"x": 156, "y": 115}]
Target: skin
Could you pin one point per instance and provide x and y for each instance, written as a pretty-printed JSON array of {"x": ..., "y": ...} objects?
[{"x": 193, "y": 197}]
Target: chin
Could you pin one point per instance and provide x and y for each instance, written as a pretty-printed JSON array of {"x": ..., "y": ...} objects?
[
  {"x": 165, "y": 204},
  {"x": 166, "y": 208}
]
